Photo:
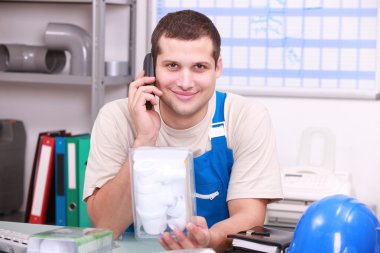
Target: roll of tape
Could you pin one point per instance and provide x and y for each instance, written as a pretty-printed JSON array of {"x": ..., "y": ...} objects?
[{"x": 116, "y": 68}]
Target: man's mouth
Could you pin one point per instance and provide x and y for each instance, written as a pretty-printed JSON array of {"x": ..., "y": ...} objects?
[{"x": 184, "y": 95}]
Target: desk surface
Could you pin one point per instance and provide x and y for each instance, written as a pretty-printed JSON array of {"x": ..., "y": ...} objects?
[{"x": 128, "y": 244}]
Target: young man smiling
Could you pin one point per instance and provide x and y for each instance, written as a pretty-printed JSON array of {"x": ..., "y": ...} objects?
[{"x": 239, "y": 169}]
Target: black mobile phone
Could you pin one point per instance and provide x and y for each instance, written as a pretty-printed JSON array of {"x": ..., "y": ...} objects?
[{"x": 149, "y": 71}]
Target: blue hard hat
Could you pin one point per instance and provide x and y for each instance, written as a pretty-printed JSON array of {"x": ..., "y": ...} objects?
[{"x": 336, "y": 224}]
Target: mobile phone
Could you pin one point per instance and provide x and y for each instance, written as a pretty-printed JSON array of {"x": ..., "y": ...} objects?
[
  {"x": 149, "y": 71},
  {"x": 258, "y": 230}
]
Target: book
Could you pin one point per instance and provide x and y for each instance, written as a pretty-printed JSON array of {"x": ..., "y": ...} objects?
[
  {"x": 71, "y": 240},
  {"x": 262, "y": 239},
  {"x": 255, "y": 247}
]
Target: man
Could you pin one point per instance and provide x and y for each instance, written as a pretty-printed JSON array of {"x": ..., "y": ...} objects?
[{"x": 236, "y": 172}]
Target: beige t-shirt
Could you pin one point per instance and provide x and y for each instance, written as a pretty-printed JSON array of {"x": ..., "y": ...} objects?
[{"x": 255, "y": 172}]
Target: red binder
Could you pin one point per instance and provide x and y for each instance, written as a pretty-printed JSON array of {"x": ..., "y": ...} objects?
[{"x": 43, "y": 181}]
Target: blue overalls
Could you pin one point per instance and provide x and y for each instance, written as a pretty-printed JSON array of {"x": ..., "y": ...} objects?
[{"x": 212, "y": 172}]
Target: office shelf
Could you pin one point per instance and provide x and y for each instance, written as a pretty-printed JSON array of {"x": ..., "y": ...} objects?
[
  {"x": 48, "y": 79},
  {"x": 97, "y": 81},
  {"x": 32, "y": 78},
  {"x": 117, "y": 80},
  {"x": 123, "y": 2}
]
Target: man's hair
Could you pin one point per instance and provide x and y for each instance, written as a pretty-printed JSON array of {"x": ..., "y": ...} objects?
[{"x": 186, "y": 25}]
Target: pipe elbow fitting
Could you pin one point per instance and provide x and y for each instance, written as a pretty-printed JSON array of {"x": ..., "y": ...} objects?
[
  {"x": 26, "y": 58},
  {"x": 153, "y": 221},
  {"x": 74, "y": 39},
  {"x": 177, "y": 214}
]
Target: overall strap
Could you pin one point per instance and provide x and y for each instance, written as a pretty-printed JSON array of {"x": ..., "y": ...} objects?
[
  {"x": 212, "y": 170},
  {"x": 217, "y": 132},
  {"x": 219, "y": 108}
]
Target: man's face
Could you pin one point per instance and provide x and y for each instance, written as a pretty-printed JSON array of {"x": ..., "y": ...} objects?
[{"x": 186, "y": 74}]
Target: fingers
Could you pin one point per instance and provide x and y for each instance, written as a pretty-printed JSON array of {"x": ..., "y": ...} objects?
[
  {"x": 199, "y": 221},
  {"x": 143, "y": 81},
  {"x": 198, "y": 234},
  {"x": 164, "y": 244},
  {"x": 140, "y": 91},
  {"x": 139, "y": 75},
  {"x": 168, "y": 242},
  {"x": 142, "y": 95},
  {"x": 181, "y": 241}
]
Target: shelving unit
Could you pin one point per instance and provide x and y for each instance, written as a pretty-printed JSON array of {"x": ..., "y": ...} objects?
[{"x": 97, "y": 80}]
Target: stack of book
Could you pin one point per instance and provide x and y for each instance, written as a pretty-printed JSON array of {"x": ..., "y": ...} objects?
[
  {"x": 260, "y": 240},
  {"x": 57, "y": 178}
]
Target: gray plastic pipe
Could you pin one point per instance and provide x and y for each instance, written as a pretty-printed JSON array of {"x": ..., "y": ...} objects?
[
  {"x": 25, "y": 58},
  {"x": 74, "y": 39}
]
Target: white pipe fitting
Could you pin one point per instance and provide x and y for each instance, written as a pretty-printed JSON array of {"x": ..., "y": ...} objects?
[
  {"x": 157, "y": 203},
  {"x": 153, "y": 221},
  {"x": 170, "y": 173},
  {"x": 152, "y": 207},
  {"x": 177, "y": 214}
]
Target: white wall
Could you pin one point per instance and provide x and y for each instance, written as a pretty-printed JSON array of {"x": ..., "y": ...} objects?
[{"x": 356, "y": 123}]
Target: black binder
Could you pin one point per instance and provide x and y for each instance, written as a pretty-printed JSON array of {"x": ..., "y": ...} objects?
[{"x": 250, "y": 240}]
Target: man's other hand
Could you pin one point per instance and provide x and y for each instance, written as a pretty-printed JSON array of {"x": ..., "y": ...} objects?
[{"x": 198, "y": 236}]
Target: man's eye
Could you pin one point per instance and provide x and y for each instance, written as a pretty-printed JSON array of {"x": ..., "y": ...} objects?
[
  {"x": 172, "y": 66},
  {"x": 200, "y": 66}
]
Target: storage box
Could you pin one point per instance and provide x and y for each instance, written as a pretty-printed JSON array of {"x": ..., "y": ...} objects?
[
  {"x": 71, "y": 240},
  {"x": 162, "y": 189}
]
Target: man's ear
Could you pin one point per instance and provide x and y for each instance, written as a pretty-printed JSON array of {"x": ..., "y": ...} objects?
[{"x": 219, "y": 67}]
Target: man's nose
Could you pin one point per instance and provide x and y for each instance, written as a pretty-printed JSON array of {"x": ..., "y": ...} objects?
[{"x": 186, "y": 79}]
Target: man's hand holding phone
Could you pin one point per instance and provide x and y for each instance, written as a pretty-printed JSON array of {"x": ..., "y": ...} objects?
[{"x": 147, "y": 122}]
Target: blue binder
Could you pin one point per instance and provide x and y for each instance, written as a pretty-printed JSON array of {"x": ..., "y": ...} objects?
[{"x": 60, "y": 180}]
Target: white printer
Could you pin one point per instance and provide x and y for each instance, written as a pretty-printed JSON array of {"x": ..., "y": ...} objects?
[
  {"x": 301, "y": 187},
  {"x": 312, "y": 179}
]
